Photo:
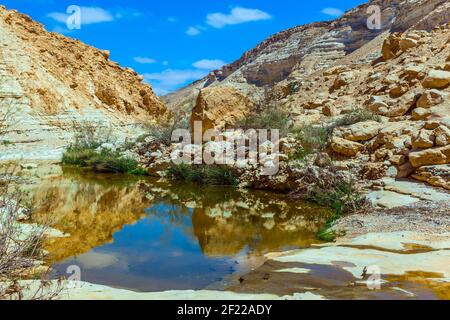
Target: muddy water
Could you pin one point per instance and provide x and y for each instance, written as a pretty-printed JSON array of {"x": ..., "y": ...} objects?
[{"x": 146, "y": 235}]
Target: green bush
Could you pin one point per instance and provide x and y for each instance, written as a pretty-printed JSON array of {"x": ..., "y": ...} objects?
[
  {"x": 77, "y": 155},
  {"x": 109, "y": 161},
  {"x": 313, "y": 139},
  {"x": 202, "y": 174},
  {"x": 163, "y": 133},
  {"x": 270, "y": 118},
  {"x": 104, "y": 161}
]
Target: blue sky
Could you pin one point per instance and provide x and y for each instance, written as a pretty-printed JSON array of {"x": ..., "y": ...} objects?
[{"x": 176, "y": 42}]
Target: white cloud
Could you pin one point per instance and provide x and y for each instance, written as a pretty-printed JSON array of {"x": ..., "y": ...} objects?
[
  {"x": 144, "y": 60},
  {"x": 89, "y": 15},
  {"x": 207, "y": 64},
  {"x": 237, "y": 15},
  {"x": 193, "y": 31},
  {"x": 333, "y": 12},
  {"x": 170, "y": 79}
]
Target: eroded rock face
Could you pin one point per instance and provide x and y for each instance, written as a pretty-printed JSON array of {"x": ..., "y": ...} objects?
[
  {"x": 219, "y": 107},
  {"x": 296, "y": 53},
  {"x": 55, "y": 83}
]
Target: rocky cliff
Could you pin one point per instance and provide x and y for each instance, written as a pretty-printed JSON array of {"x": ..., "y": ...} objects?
[
  {"x": 299, "y": 52},
  {"x": 321, "y": 73},
  {"x": 49, "y": 84}
]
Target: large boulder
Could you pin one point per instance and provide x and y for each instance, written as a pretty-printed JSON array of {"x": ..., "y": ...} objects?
[
  {"x": 391, "y": 47},
  {"x": 437, "y": 79},
  {"x": 219, "y": 107},
  {"x": 362, "y": 131},
  {"x": 438, "y": 176},
  {"x": 431, "y": 98},
  {"x": 431, "y": 156},
  {"x": 423, "y": 139},
  {"x": 442, "y": 135},
  {"x": 346, "y": 147}
]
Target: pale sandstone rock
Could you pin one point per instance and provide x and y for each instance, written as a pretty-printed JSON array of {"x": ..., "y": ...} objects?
[
  {"x": 430, "y": 157},
  {"x": 362, "y": 131},
  {"x": 378, "y": 105},
  {"x": 437, "y": 79},
  {"x": 442, "y": 134},
  {"x": 438, "y": 175},
  {"x": 330, "y": 110},
  {"x": 407, "y": 43},
  {"x": 431, "y": 98},
  {"x": 423, "y": 139},
  {"x": 346, "y": 147},
  {"x": 414, "y": 70},
  {"x": 421, "y": 114},
  {"x": 218, "y": 107}
]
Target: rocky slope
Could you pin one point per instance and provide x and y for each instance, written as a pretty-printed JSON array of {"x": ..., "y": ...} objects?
[
  {"x": 408, "y": 89},
  {"x": 298, "y": 52},
  {"x": 400, "y": 73},
  {"x": 54, "y": 83}
]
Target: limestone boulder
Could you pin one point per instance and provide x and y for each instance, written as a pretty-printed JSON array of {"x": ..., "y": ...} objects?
[
  {"x": 437, "y": 79},
  {"x": 442, "y": 135},
  {"x": 391, "y": 47},
  {"x": 346, "y": 147},
  {"x": 407, "y": 43},
  {"x": 362, "y": 131},
  {"x": 423, "y": 139},
  {"x": 431, "y": 98},
  {"x": 438, "y": 175},
  {"x": 378, "y": 105},
  {"x": 432, "y": 156}
]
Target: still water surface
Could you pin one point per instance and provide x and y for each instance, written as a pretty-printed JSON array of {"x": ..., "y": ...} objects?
[{"x": 146, "y": 235}]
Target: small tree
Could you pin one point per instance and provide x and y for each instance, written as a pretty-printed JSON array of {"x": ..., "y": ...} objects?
[{"x": 20, "y": 246}]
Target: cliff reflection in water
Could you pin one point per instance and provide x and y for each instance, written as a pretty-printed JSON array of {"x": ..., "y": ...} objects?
[
  {"x": 147, "y": 235},
  {"x": 226, "y": 221}
]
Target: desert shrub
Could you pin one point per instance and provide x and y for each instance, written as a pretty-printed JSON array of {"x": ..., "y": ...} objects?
[
  {"x": 101, "y": 161},
  {"x": 91, "y": 135},
  {"x": 356, "y": 115},
  {"x": 85, "y": 152},
  {"x": 162, "y": 133},
  {"x": 20, "y": 247},
  {"x": 269, "y": 118},
  {"x": 112, "y": 161},
  {"x": 77, "y": 155},
  {"x": 331, "y": 188},
  {"x": 203, "y": 174},
  {"x": 313, "y": 139}
]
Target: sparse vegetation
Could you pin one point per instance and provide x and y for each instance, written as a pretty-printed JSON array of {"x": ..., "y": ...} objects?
[
  {"x": 356, "y": 115},
  {"x": 163, "y": 133},
  {"x": 203, "y": 174},
  {"x": 314, "y": 138},
  {"x": 269, "y": 118},
  {"x": 87, "y": 152},
  {"x": 20, "y": 248},
  {"x": 331, "y": 188}
]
